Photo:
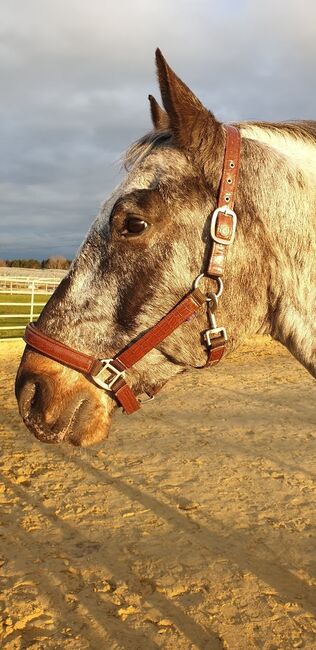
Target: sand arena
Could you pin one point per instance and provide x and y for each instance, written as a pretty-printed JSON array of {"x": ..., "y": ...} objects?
[{"x": 192, "y": 527}]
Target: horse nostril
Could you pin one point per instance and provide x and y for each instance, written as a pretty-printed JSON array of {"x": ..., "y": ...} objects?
[
  {"x": 54, "y": 414},
  {"x": 25, "y": 397},
  {"x": 28, "y": 396}
]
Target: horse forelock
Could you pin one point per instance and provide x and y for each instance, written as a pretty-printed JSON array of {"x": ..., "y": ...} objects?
[
  {"x": 143, "y": 146},
  {"x": 151, "y": 163}
]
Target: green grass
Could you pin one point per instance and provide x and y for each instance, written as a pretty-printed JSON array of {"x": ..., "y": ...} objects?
[{"x": 12, "y": 310}]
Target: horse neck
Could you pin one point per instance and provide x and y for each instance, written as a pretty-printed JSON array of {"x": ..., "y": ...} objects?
[{"x": 276, "y": 243}]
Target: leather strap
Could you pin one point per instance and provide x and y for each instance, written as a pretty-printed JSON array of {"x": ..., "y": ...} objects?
[
  {"x": 60, "y": 352},
  {"x": 223, "y": 226},
  {"x": 216, "y": 351},
  {"x": 223, "y": 223},
  {"x": 185, "y": 310},
  {"x": 126, "y": 397},
  {"x": 178, "y": 315}
]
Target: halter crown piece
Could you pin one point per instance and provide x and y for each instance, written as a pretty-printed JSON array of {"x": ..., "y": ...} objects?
[{"x": 110, "y": 374}]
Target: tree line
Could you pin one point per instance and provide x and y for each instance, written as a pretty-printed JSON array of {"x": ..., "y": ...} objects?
[{"x": 54, "y": 262}]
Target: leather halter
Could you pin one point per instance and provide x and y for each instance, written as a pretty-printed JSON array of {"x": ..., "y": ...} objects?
[{"x": 109, "y": 374}]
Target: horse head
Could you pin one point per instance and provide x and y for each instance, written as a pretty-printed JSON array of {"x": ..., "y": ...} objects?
[{"x": 140, "y": 257}]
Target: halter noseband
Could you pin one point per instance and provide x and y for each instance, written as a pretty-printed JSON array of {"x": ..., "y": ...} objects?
[{"x": 109, "y": 374}]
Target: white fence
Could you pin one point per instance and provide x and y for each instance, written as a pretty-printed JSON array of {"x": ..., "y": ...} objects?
[{"x": 29, "y": 309}]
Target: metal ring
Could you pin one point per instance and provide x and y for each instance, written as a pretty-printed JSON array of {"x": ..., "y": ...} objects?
[{"x": 220, "y": 286}]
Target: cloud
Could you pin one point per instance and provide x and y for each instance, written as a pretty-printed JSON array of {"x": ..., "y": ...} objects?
[{"x": 75, "y": 77}]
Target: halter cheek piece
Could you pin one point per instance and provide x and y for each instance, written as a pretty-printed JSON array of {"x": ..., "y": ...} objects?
[{"x": 109, "y": 374}]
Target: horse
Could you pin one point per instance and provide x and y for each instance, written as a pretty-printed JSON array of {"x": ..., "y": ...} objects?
[{"x": 150, "y": 240}]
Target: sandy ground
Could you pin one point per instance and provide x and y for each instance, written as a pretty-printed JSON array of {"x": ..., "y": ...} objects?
[{"x": 193, "y": 526}]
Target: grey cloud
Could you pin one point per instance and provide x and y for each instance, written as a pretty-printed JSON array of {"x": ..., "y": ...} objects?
[{"x": 74, "y": 82}]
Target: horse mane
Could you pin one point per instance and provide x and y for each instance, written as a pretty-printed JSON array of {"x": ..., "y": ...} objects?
[{"x": 303, "y": 129}]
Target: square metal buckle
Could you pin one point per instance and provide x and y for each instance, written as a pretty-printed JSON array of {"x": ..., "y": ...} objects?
[
  {"x": 230, "y": 213},
  {"x": 210, "y": 335},
  {"x": 111, "y": 378}
]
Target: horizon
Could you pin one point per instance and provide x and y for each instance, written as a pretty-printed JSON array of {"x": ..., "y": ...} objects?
[{"x": 34, "y": 259}]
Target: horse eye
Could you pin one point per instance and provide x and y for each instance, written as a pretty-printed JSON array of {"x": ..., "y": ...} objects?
[{"x": 134, "y": 226}]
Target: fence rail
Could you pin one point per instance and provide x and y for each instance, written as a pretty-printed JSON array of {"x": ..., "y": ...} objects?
[
  {"x": 19, "y": 284},
  {"x": 31, "y": 288}
]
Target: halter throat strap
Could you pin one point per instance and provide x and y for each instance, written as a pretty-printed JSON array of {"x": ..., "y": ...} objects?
[{"x": 109, "y": 374}]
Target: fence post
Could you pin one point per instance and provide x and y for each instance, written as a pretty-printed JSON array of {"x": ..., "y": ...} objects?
[{"x": 32, "y": 301}]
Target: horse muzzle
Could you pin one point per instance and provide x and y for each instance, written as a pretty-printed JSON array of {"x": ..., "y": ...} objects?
[{"x": 57, "y": 404}]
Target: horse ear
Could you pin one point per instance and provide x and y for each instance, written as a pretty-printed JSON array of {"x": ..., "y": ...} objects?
[
  {"x": 190, "y": 121},
  {"x": 159, "y": 117}
]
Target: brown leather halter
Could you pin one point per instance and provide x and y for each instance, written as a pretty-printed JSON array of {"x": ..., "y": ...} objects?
[{"x": 109, "y": 374}]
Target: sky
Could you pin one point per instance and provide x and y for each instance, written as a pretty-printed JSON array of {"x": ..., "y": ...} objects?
[{"x": 75, "y": 76}]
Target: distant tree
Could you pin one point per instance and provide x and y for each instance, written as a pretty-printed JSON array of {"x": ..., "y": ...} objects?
[
  {"x": 15, "y": 263},
  {"x": 25, "y": 264},
  {"x": 56, "y": 262},
  {"x": 33, "y": 264}
]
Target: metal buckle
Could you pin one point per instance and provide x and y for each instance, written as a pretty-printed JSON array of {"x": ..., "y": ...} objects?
[
  {"x": 211, "y": 334},
  {"x": 214, "y": 218},
  {"x": 112, "y": 378}
]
